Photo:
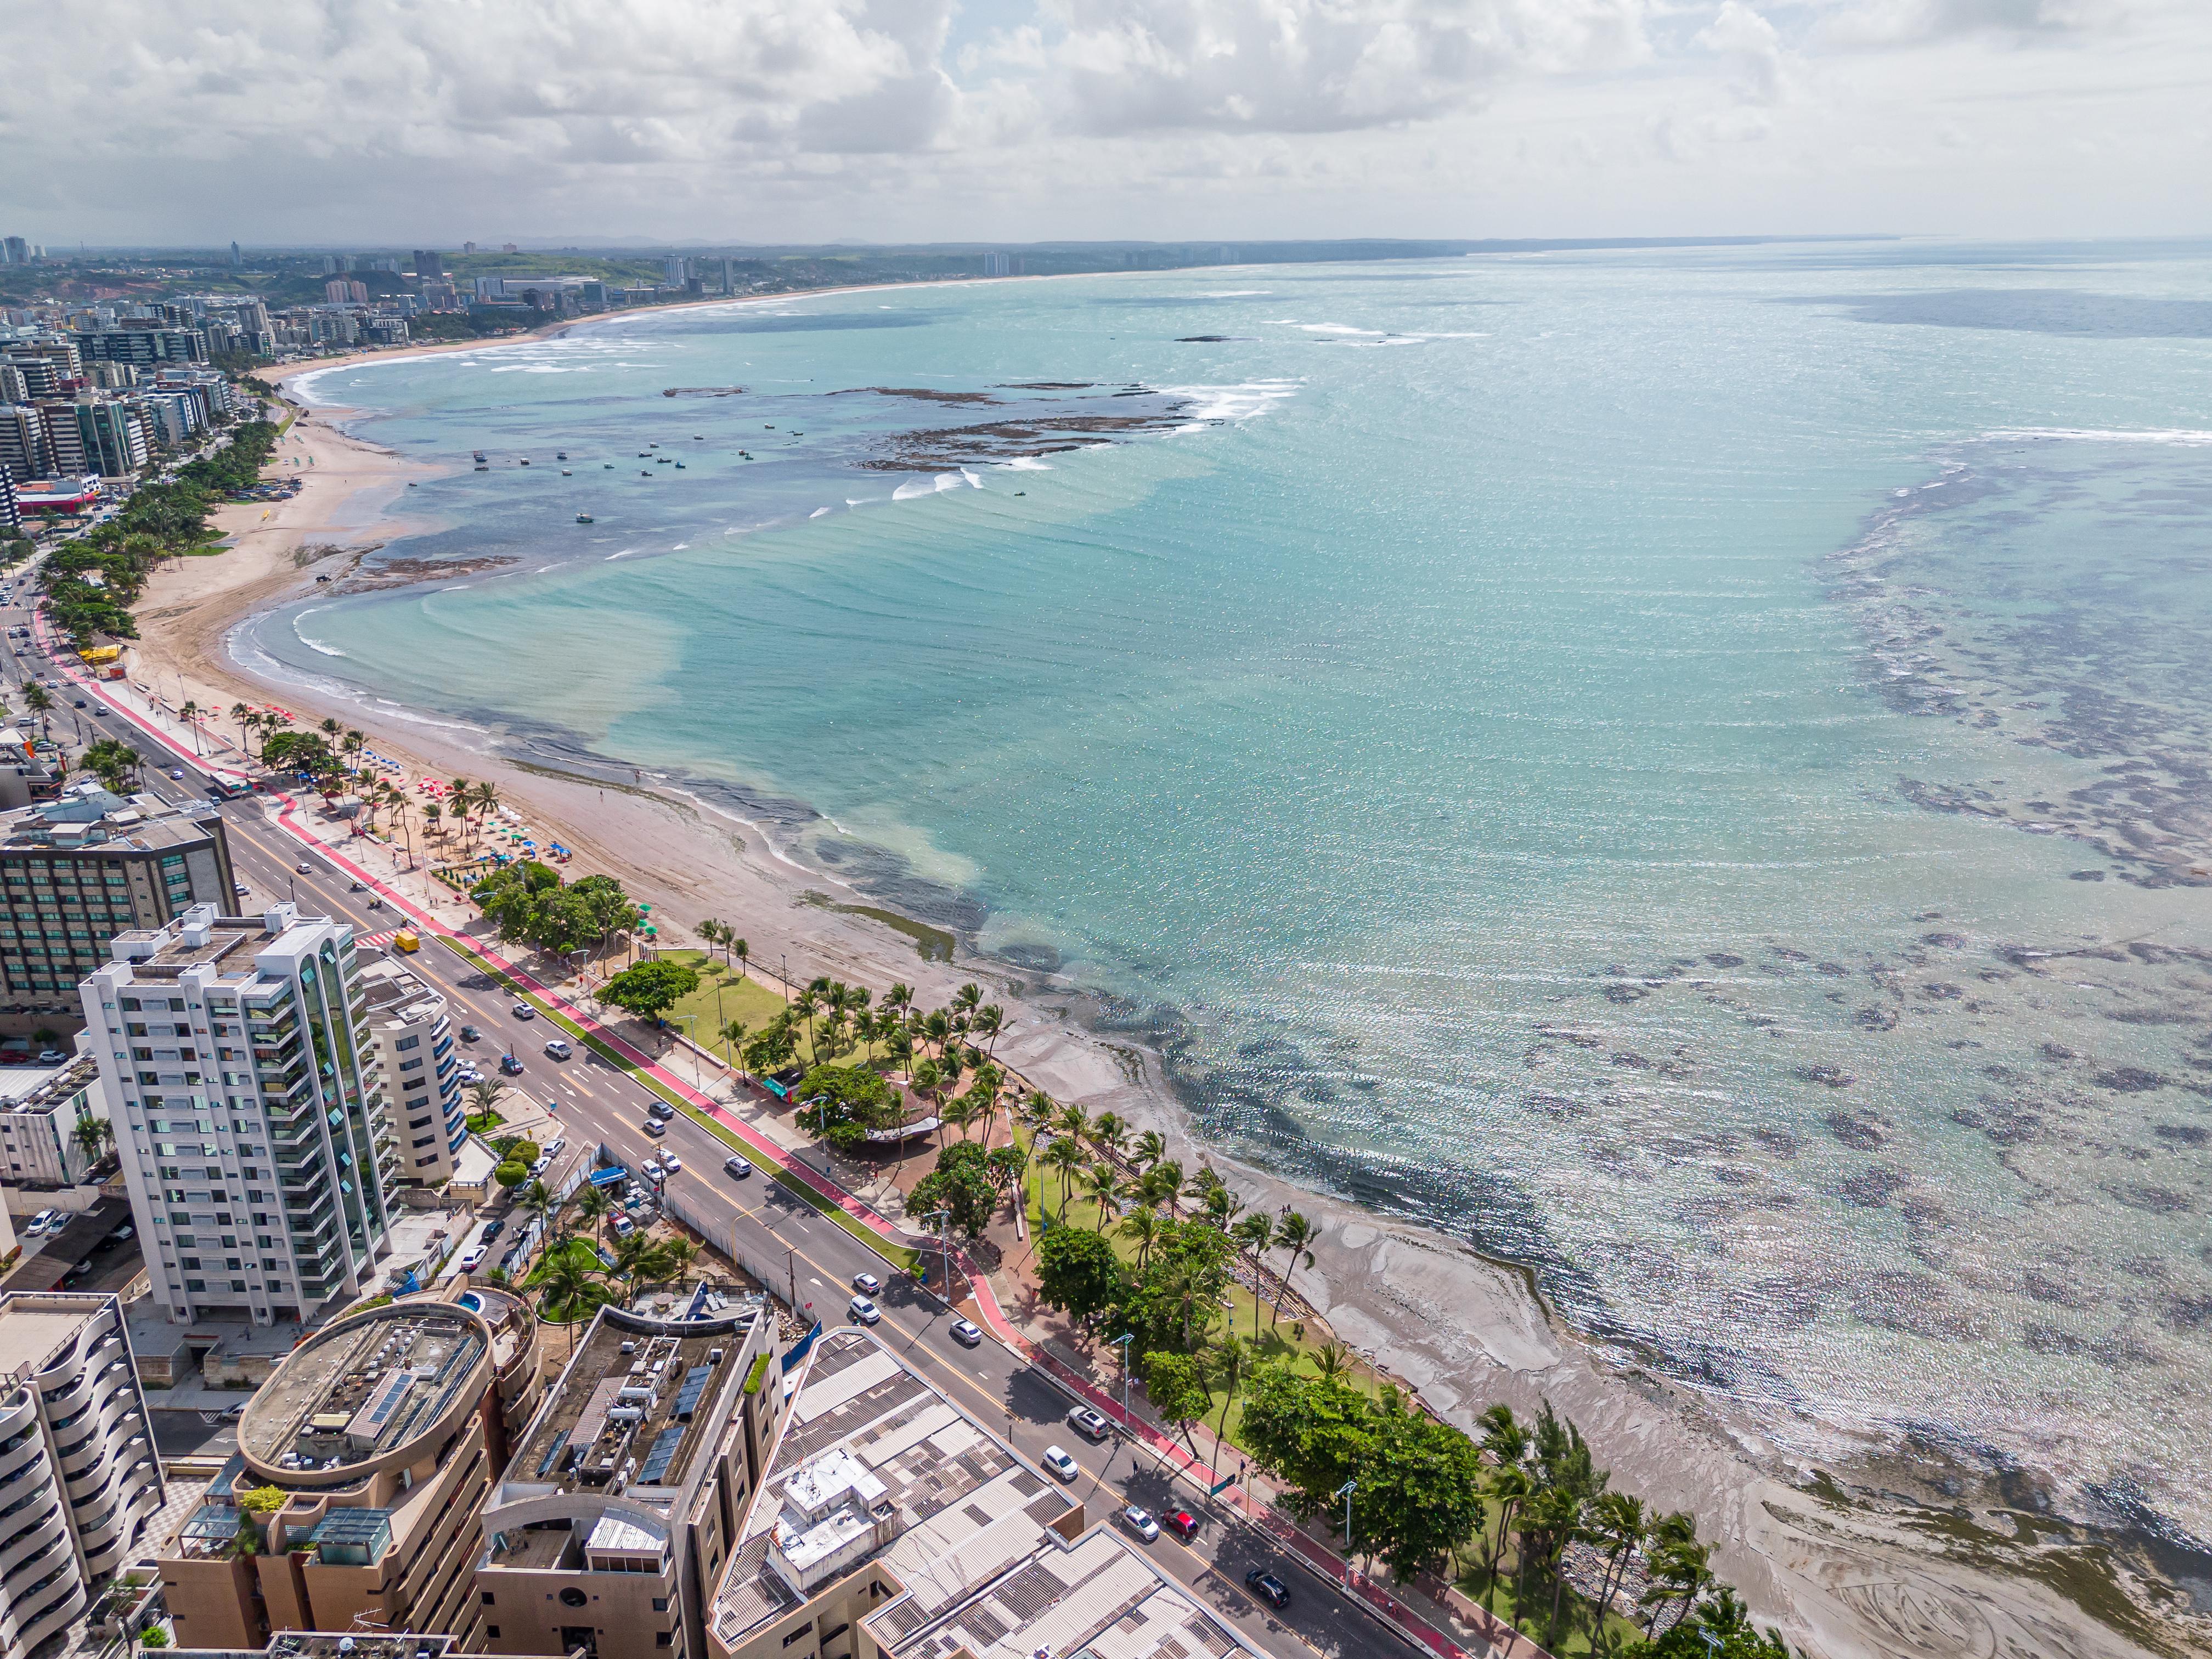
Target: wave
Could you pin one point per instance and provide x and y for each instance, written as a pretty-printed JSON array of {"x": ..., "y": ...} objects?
[
  {"x": 2188, "y": 437},
  {"x": 1233, "y": 403},
  {"x": 1336, "y": 328},
  {"x": 1024, "y": 463},
  {"x": 311, "y": 643},
  {"x": 1235, "y": 294},
  {"x": 943, "y": 481},
  {"x": 819, "y": 511}
]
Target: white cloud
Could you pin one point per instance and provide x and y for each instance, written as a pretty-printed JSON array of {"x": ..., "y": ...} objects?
[{"x": 386, "y": 121}]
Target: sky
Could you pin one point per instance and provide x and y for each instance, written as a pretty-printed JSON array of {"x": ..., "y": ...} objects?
[{"x": 429, "y": 122}]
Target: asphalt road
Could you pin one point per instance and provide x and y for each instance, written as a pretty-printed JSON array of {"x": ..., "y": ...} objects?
[{"x": 991, "y": 1381}]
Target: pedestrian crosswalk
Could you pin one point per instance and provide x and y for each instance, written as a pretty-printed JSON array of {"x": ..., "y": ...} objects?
[{"x": 380, "y": 941}]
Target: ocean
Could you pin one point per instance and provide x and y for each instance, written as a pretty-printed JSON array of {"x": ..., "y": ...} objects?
[{"x": 1689, "y": 770}]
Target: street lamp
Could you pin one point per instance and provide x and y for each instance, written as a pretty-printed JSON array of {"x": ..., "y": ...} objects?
[
  {"x": 697, "y": 1073},
  {"x": 1344, "y": 1491},
  {"x": 943, "y": 1258},
  {"x": 1122, "y": 1342}
]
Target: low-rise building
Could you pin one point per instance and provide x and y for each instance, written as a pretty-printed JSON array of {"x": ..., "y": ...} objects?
[
  {"x": 408, "y": 1022},
  {"x": 356, "y": 1495},
  {"x": 893, "y": 1525},
  {"x": 40, "y": 1109},
  {"x": 615, "y": 1517},
  {"x": 77, "y": 1463}
]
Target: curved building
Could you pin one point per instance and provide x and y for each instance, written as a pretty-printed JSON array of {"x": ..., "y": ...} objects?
[
  {"x": 354, "y": 1498},
  {"x": 78, "y": 1472}
]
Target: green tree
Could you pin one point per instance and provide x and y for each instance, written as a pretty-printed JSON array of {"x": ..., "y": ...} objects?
[
  {"x": 843, "y": 1104},
  {"x": 1175, "y": 1384},
  {"x": 511, "y": 1174},
  {"x": 773, "y": 1046},
  {"x": 1078, "y": 1272},
  {"x": 650, "y": 989},
  {"x": 114, "y": 763},
  {"x": 961, "y": 1186},
  {"x": 1309, "y": 1432},
  {"x": 1420, "y": 1488},
  {"x": 1296, "y": 1235}
]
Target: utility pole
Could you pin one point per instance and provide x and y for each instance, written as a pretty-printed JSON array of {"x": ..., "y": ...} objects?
[
  {"x": 1122, "y": 1342},
  {"x": 1344, "y": 1491}
]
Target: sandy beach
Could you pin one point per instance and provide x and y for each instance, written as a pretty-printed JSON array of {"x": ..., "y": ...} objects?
[{"x": 1842, "y": 1559}]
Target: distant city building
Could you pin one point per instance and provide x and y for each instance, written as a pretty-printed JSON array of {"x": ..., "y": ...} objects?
[
  {"x": 144, "y": 345},
  {"x": 237, "y": 259},
  {"x": 40, "y": 1107},
  {"x": 81, "y": 1469},
  {"x": 14, "y": 251},
  {"x": 674, "y": 269},
  {"x": 78, "y": 871},
  {"x": 344, "y": 292},
  {"x": 997, "y": 264},
  {"x": 729, "y": 276},
  {"x": 250, "y": 1112},
  {"x": 468, "y": 247},
  {"x": 508, "y": 247},
  {"x": 385, "y": 262},
  {"x": 331, "y": 265},
  {"x": 428, "y": 267},
  {"x": 11, "y": 511}
]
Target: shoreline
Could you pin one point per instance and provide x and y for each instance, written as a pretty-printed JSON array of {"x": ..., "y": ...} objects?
[{"x": 1465, "y": 1330}]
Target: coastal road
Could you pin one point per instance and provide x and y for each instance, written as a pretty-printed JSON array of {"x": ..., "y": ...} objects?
[{"x": 992, "y": 1382}]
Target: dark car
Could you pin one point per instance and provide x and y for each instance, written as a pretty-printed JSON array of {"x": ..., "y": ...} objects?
[
  {"x": 1269, "y": 1588},
  {"x": 469, "y": 1033},
  {"x": 1182, "y": 1523},
  {"x": 510, "y": 1064},
  {"x": 492, "y": 1230}
]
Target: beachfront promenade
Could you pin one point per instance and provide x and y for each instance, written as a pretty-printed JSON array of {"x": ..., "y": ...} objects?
[{"x": 824, "y": 1232}]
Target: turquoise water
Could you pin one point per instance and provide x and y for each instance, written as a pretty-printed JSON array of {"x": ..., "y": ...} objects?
[{"x": 1684, "y": 770}]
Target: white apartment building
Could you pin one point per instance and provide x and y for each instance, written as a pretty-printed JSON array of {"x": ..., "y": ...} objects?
[
  {"x": 40, "y": 1107},
  {"x": 250, "y": 1113},
  {"x": 79, "y": 1476},
  {"x": 414, "y": 1038}
]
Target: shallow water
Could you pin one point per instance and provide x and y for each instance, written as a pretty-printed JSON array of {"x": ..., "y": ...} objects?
[{"x": 1685, "y": 769}]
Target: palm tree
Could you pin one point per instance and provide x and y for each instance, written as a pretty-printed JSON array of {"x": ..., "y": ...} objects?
[
  {"x": 1251, "y": 1235},
  {"x": 1072, "y": 1122},
  {"x": 732, "y": 1034},
  {"x": 1222, "y": 1206},
  {"x": 899, "y": 1000},
  {"x": 1331, "y": 1361},
  {"x": 1143, "y": 1226},
  {"x": 1296, "y": 1235},
  {"x": 1065, "y": 1155},
  {"x": 1507, "y": 1488},
  {"x": 592, "y": 1205},
  {"x": 486, "y": 796},
  {"x": 40, "y": 701},
  {"x": 805, "y": 1004},
  {"x": 565, "y": 1282},
  {"x": 1110, "y": 1134},
  {"x": 958, "y": 1113},
  {"x": 1677, "y": 1567},
  {"x": 988, "y": 1023},
  {"x": 968, "y": 999},
  {"x": 190, "y": 710},
  {"x": 1102, "y": 1185},
  {"x": 484, "y": 1093},
  {"x": 331, "y": 726},
  {"x": 738, "y": 952},
  {"x": 1162, "y": 1183},
  {"x": 460, "y": 796},
  {"x": 1619, "y": 1521},
  {"x": 711, "y": 929},
  {"x": 1151, "y": 1147},
  {"x": 245, "y": 717}
]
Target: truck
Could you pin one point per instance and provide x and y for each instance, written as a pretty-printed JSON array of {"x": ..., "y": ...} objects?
[{"x": 407, "y": 940}]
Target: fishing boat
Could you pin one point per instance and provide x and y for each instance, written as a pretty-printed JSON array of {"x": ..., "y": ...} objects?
[
  {"x": 583, "y": 518},
  {"x": 525, "y": 460},
  {"x": 561, "y": 455},
  {"x": 483, "y": 466},
  {"x": 679, "y": 466},
  {"x": 480, "y": 455}
]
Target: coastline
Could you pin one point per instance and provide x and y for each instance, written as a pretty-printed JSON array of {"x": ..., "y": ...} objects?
[{"x": 1465, "y": 1330}]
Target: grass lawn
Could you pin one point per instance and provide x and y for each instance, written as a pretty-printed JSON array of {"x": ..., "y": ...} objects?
[
  {"x": 579, "y": 1250},
  {"x": 899, "y": 1257},
  {"x": 1276, "y": 1340},
  {"x": 724, "y": 994},
  {"x": 1574, "y": 1610}
]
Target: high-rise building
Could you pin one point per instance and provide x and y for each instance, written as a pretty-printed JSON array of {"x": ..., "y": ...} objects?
[
  {"x": 14, "y": 251},
  {"x": 332, "y": 265},
  {"x": 408, "y": 1022},
  {"x": 468, "y": 247},
  {"x": 674, "y": 269},
  {"x": 997, "y": 264},
  {"x": 65, "y": 438},
  {"x": 11, "y": 513},
  {"x": 40, "y": 1108},
  {"x": 144, "y": 345},
  {"x": 892, "y": 1519},
  {"x": 381, "y": 1435},
  {"x": 428, "y": 267},
  {"x": 115, "y": 435},
  {"x": 617, "y": 1513},
  {"x": 237, "y": 259},
  {"x": 77, "y": 1462},
  {"x": 251, "y": 1120},
  {"x": 25, "y": 454}
]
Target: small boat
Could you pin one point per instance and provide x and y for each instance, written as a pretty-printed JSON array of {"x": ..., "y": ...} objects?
[
  {"x": 679, "y": 466},
  {"x": 583, "y": 518},
  {"x": 561, "y": 455},
  {"x": 660, "y": 460},
  {"x": 525, "y": 460},
  {"x": 606, "y": 466},
  {"x": 483, "y": 466},
  {"x": 480, "y": 455}
]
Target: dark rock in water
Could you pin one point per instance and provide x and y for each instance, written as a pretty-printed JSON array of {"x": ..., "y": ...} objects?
[
  {"x": 2044, "y": 1287},
  {"x": 1619, "y": 993},
  {"x": 2183, "y": 1134},
  {"x": 1945, "y": 941},
  {"x": 1877, "y": 1019},
  {"x": 1876, "y": 1187},
  {"x": 1723, "y": 959},
  {"x": 1729, "y": 1176},
  {"x": 1857, "y": 1131},
  {"x": 2186, "y": 1314},
  {"x": 2151, "y": 1200},
  {"x": 2086, "y": 875},
  {"x": 1634, "y": 1061},
  {"x": 1789, "y": 955},
  {"x": 1833, "y": 1076},
  {"x": 1211, "y": 339},
  {"x": 2128, "y": 1080},
  {"x": 1833, "y": 969},
  {"x": 1779, "y": 1142},
  {"x": 2057, "y": 1052},
  {"x": 1939, "y": 992}
]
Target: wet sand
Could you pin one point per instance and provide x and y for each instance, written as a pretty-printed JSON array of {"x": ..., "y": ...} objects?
[{"x": 1845, "y": 1561}]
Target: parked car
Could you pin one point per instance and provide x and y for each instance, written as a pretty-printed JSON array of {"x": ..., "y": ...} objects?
[
  {"x": 622, "y": 1226},
  {"x": 1269, "y": 1588},
  {"x": 494, "y": 1228},
  {"x": 670, "y": 1163},
  {"x": 560, "y": 1049},
  {"x": 661, "y": 1109},
  {"x": 44, "y": 1221},
  {"x": 540, "y": 1163},
  {"x": 51, "y": 1057},
  {"x": 966, "y": 1332},
  {"x": 737, "y": 1166},
  {"x": 864, "y": 1311},
  {"x": 1059, "y": 1463},
  {"x": 1183, "y": 1524},
  {"x": 1139, "y": 1522},
  {"x": 473, "y": 1258},
  {"x": 524, "y": 1011},
  {"x": 1088, "y": 1423},
  {"x": 239, "y": 887},
  {"x": 655, "y": 1127},
  {"x": 867, "y": 1283}
]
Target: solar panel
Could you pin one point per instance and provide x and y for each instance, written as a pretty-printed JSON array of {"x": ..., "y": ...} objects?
[
  {"x": 662, "y": 1454},
  {"x": 694, "y": 1384},
  {"x": 552, "y": 1454}
]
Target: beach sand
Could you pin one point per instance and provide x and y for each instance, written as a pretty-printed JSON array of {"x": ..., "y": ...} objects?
[{"x": 1843, "y": 1571}]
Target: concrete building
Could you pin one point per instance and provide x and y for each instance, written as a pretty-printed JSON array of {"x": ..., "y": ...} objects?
[
  {"x": 11, "y": 511},
  {"x": 77, "y": 1463},
  {"x": 336, "y": 1644},
  {"x": 79, "y": 870},
  {"x": 24, "y": 452},
  {"x": 144, "y": 345},
  {"x": 379, "y": 1432},
  {"x": 408, "y": 1023},
  {"x": 40, "y": 1107},
  {"x": 893, "y": 1525},
  {"x": 611, "y": 1525},
  {"x": 430, "y": 266},
  {"x": 250, "y": 1109}
]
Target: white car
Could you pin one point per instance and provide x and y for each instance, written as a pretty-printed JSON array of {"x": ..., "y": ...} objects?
[
  {"x": 44, "y": 1221},
  {"x": 559, "y": 1049},
  {"x": 473, "y": 1258},
  {"x": 651, "y": 1170},
  {"x": 1140, "y": 1521},
  {"x": 670, "y": 1163},
  {"x": 864, "y": 1311},
  {"x": 867, "y": 1283},
  {"x": 1058, "y": 1463}
]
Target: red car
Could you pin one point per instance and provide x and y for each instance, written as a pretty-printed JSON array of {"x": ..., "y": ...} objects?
[{"x": 1182, "y": 1523}]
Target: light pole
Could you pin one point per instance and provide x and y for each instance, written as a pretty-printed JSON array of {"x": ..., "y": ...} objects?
[
  {"x": 944, "y": 1262},
  {"x": 1344, "y": 1491},
  {"x": 693, "y": 1021}
]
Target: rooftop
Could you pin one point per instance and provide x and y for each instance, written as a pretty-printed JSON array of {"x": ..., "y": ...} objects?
[
  {"x": 629, "y": 1414},
  {"x": 87, "y": 815},
  {"x": 42, "y": 1088},
  {"x": 230, "y": 945},
  {"x": 397, "y": 993},
  {"x": 359, "y": 1391},
  {"x": 875, "y": 1464},
  {"x": 34, "y": 1325},
  {"x": 331, "y": 1645}
]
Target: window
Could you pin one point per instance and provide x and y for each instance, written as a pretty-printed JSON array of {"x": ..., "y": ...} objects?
[
  {"x": 492, "y": 1631},
  {"x": 487, "y": 1602},
  {"x": 662, "y": 1638},
  {"x": 572, "y": 1597},
  {"x": 660, "y": 1604},
  {"x": 798, "y": 1635},
  {"x": 405, "y": 1043}
]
